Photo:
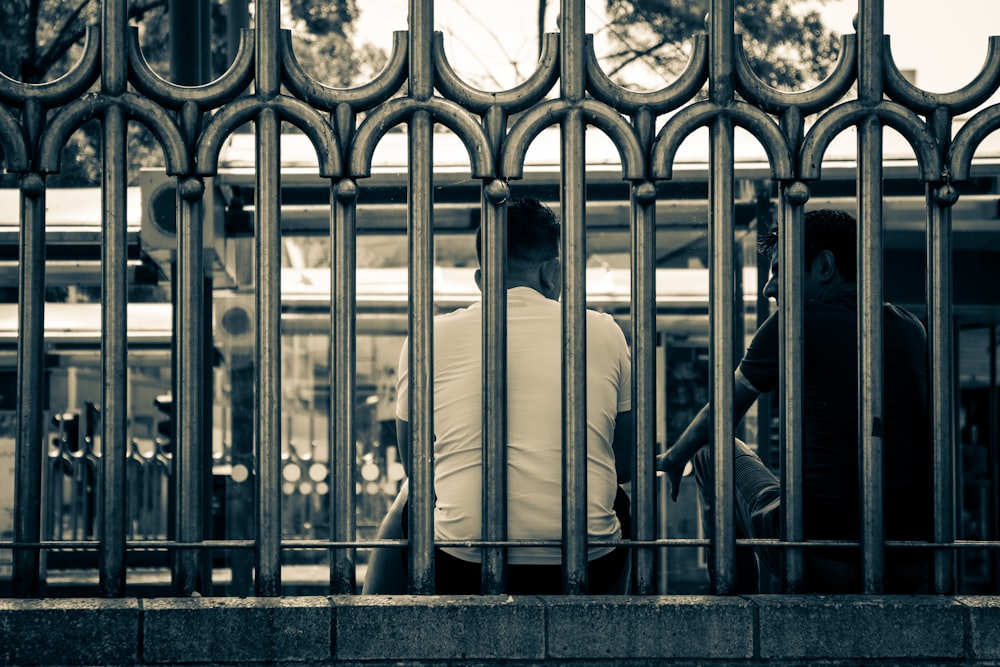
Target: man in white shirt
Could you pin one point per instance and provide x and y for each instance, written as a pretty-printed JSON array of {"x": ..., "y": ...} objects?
[{"x": 534, "y": 425}]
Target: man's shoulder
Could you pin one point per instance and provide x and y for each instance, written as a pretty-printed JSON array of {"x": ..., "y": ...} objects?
[
  {"x": 459, "y": 314},
  {"x": 602, "y": 322},
  {"x": 834, "y": 319},
  {"x": 901, "y": 322},
  {"x": 598, "y": 316},
  {"x": 767, "y": 328},
  {"x": 900, "y": 312}
]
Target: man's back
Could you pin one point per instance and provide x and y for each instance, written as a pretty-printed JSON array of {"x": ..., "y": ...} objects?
[
  {"x": 831, "y": 425},
  {"x": 534, "y": 454}
]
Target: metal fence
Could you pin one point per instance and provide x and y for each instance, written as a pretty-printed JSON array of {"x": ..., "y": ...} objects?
[{"x": 418, "y": 90}]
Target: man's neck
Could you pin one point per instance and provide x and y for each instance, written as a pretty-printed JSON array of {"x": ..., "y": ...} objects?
[{"x": 837, "y": 290}]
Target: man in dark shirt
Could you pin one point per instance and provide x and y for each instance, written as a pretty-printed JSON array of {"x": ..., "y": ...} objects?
[{"x": 830, "y": 444}]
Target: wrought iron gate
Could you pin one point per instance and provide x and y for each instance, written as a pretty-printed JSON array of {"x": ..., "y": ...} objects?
[{"x": 265, "y": 86}]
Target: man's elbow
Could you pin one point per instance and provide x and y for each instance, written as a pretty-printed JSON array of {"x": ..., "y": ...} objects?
[{"x": 624, "y": 474}]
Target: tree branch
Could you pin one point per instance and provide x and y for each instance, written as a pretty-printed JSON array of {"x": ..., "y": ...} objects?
[
  {"x": 73, "y": 30},
  {"x": 69, "y": 33}
]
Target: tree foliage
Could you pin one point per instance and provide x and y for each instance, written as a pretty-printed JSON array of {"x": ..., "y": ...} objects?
[
  {"x": 786, "y": 42},
  {"x": 325, "y": 42},
  {"x": 44, "y": 38}
]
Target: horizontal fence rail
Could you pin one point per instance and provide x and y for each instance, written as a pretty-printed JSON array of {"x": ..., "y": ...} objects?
[{"x": 114, "y": 499}]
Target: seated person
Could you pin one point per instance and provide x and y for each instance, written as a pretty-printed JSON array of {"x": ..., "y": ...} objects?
[
  {"x": 534, "y": 447},
  {"x": 830, "y": 445}
]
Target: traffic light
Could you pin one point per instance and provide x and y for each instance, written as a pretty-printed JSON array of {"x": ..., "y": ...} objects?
[{"x": 158, "y": 226}]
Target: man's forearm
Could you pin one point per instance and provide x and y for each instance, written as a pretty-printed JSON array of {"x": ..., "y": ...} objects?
[
  {"x": 699, "y": 431},
  {"x": 673, "y": 461},
  {"x": 694, "y": 437}
]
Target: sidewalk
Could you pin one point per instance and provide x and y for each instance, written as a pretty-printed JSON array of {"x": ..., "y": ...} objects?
[{"x": 155, "y": 581}]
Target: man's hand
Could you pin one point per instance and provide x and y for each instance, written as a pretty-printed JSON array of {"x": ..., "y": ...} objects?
[{"x": 673, "y": 466}]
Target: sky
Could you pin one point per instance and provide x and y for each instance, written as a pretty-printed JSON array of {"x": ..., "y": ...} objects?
[{"x": 946, "y": 43}]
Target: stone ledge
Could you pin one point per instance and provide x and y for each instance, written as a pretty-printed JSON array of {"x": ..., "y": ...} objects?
[
  {"x": 851, "y": 627},
  {"x": 69, "y": 632},
  {"x": 503, "y": 630},
  {"x": 984, "y": 625},
  {"x": 205, "y": 630},
  {"x": 439, "y": 627},
  {"x": 650, "y": 627}
]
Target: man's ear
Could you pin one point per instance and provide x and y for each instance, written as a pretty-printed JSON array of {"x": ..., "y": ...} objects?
[
  {"x": 479, "y": 279},
  {"x": 550, "y": 274},
  {"x": 825, "y": 265}
]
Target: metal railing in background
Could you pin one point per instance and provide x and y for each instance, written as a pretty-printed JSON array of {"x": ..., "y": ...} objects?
[{"x": 419, "y": 90}]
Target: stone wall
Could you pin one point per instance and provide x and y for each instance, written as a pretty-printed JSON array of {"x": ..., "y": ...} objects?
[{"x": 557, "y": 630}]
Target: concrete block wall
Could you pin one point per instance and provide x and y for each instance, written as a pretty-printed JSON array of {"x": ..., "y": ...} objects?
[{"x": 499, "y": 630}]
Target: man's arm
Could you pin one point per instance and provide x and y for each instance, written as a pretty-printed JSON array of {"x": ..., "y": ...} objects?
[
  {"x": 698, "y": 434},
  {"x": 623, "y": 444},
  {"x": 386, "y": 575},
  {"x": 403, "y": 443}
]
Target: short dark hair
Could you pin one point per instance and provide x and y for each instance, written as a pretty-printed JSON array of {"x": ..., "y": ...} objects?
[
  {"x": 826, "y": 229},
  {"x": 532, "y": 233}
]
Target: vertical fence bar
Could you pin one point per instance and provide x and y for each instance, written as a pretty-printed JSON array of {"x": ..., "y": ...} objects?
[
  {"x": 421, "y": 341},
  {"x": 494, "y": 254},
  {"x": 267, "y": 223},
  {"x": 643, "y": 306},
  {"x": 189, "y": 403},
  {"x": 791, "y": 246},
  {"x": 939, "y": 319},
  {"x": 420, "y": 216},
  {"x": 30, "y": 372},
  {"x": 939, "y": 200},
  {"x": 267, "y": 237},
  {"x": 114, "y": 298},
  {"x": 869, "y": 184},
  {"x": 114, "y": 334},
  {"x": 574, "y": 371},
  {"x": 192, "y": 449},
  {"x": 721, "y": 270},
  {"x": 573, "y": 198},
  {"x": 870, "y": 351},
  {"x": 343, "y": 366},
  {"x": 721, "y": 350}
]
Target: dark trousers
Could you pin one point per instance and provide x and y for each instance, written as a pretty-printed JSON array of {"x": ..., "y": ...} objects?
[
  {"x": 757, "y": 511},
  {"x": 454, "y": 576},
  {"x": 757, "y": 514}
]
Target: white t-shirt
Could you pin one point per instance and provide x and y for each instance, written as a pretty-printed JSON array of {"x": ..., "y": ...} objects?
[{"x": 534, "y": 424}]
